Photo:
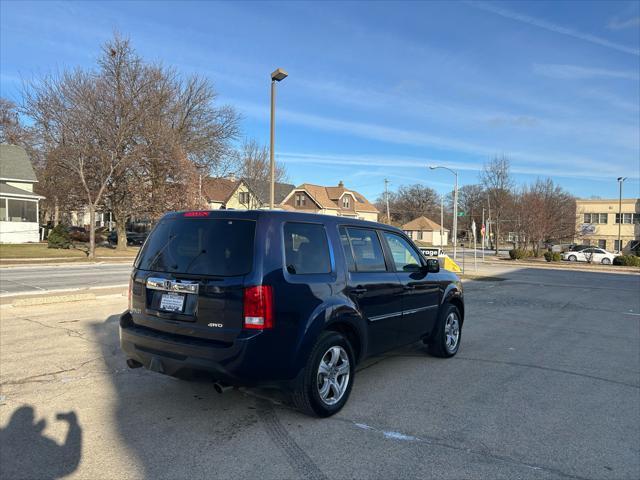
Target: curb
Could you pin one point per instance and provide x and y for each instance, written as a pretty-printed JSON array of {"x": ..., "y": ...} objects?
[
  {"x": 619, "y": 270},
  {"x": 63, "y": 296}
]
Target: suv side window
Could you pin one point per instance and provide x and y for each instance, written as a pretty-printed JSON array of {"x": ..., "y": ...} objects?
[
  {"x": 404, "y": 257},
  {"x": 346, "y": 247},
  {"x": 306, "y": 248},
  {"x": 366, "y": 250}
]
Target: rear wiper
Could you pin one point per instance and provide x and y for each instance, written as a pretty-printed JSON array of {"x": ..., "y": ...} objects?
[
  {"x": 193, "y": 260},
  {"x": 159, "y": 252}
]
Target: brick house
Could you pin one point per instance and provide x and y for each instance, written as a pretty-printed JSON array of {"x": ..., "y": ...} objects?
[{"x": 337, "y": 200}]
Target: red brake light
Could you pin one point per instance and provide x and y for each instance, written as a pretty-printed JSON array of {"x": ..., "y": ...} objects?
[
  {"x": 258, "y": 307},
  {"x": 197, "y": 213}
]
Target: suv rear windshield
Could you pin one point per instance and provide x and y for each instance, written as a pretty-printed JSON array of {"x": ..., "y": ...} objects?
[{"x": 200, "y": 246}]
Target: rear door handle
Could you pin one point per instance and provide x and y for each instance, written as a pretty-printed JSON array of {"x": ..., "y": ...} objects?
[{"x": 359, "y": 290}]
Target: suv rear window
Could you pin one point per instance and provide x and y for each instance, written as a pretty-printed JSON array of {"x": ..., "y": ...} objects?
[
  {"x": 200, "y": 246},
  {"x": 306, "y": 248}
]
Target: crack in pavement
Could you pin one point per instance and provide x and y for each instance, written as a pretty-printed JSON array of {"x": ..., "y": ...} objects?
[
  {"x": 484, "y": 452},
  {"x": 296, "y": 456}
]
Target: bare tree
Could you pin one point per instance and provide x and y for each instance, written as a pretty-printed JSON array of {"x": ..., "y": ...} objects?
[
  {"x": 409, "y": 202},
  {"x": 547, "y": 213},
  {"x": 254, "y": 168},
  {"x": 498, "y": 184}
]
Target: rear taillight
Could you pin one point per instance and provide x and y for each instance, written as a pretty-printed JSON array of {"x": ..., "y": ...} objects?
[
  {"x": 258, "y": 307},
  {"x": 130, "y": 291}
]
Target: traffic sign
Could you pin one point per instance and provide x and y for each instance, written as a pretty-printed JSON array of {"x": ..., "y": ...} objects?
[{"x": 461, "y": 214}]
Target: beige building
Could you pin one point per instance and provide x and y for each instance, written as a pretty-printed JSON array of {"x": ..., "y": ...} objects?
[
  {"x": 423, "y": 231},
  {"x": 598, "y": 221},
  {"x": 339, "y": 201},
  {"x": 235, "y": 194}
]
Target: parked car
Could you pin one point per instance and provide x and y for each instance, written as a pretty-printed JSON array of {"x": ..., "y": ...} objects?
[
  {"x": 283, "y": 299},
  {"x": 595, "y": 255},
  {"x": 579, "y": 248},
  {"x": 133, "y": 238}
]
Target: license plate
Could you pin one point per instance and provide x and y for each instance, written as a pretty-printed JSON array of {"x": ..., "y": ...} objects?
[{"x": 172, "y": 302}]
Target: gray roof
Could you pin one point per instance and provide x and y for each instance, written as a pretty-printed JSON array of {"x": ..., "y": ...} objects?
[
  {"x": 11, "y": 190},
  {"x": 15, "y": 163},
  {"x": 262, "y": 190}
]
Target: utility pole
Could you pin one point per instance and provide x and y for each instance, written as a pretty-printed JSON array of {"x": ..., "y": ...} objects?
[
  {"x": 620, "y": 181},
  {"x": 386, "y": 197}
]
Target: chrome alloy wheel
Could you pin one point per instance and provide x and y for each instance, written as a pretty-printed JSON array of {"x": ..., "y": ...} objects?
[
  {"x": 452, "y": 332},
  {"x": 333, "y": 375}
]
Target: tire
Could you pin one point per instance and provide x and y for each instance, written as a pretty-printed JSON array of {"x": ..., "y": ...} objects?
[
  {"x": 572, "y": 258},
  {"x": 308, "y": 395},
  {"x": 447, "y": 336},
  {"x": 606, "y": 261}
]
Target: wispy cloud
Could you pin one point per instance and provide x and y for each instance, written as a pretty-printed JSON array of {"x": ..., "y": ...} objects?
[
  {"x": 564, "y": 71},
  {"x": 553, "y": 27},
  {"x": 554, "y": 166},
  {"x": 617, "y": 23}
]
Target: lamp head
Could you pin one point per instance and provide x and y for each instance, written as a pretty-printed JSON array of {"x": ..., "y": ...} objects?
[{"x": 278, "y": 75}]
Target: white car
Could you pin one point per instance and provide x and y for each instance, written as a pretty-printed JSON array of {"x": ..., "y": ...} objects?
[{"x": 595, "y": 255}]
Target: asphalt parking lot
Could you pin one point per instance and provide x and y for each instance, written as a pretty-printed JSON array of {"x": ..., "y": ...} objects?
[{"x": 546, "y": 385}]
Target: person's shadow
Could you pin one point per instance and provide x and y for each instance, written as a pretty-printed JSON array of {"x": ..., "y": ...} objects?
[{"x": 26, "y": 453}]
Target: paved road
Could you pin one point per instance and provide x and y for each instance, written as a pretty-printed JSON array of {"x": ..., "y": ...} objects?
[
  {"x": 545, "y": 386},
  {"x": 20, "y": 280}
]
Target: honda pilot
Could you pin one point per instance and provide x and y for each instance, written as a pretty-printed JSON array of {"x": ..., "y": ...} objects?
[{"x": 285, "y": 299}]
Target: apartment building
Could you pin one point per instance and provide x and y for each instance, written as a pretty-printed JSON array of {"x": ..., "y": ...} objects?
[{"x": 598, "y": 222}]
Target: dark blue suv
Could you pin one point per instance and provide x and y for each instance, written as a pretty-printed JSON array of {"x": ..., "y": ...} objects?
[{"x": 283, "y": 299}]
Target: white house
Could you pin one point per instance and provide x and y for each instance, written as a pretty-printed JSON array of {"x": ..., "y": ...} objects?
[
  {"x": 18, "y": 203},
  {"x": 425, "y": 231}
]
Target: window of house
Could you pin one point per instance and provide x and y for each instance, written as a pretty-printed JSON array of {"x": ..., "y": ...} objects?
[
  {"x": 597, "y": 218},
  {"x": 419, "y": 234},
  {"x": 345, "y": 202},
  {"x": 3, "y": 209},
  {"x": 306, "y": 248},
  {"x": 366, "y": 250},
  {"x": 244, "y": 198},
  {"x": 22, "y": 210},
  {"x": 301, "y": 200},
  {"x": 405, "y": 258},
  {"x": 628, "y": 218},
  {"x": 602, "y": 244}
]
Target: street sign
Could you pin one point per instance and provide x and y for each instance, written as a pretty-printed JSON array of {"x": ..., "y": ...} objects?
[{"x": 461, "y": 214}]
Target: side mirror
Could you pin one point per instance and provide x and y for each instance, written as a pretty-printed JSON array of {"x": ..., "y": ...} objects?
[{"x": 433, "y": 265}]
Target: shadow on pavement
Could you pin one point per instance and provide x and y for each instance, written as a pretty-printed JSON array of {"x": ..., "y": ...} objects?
[
  {"x": 174, "y": 428},
  {"x": 26, "y": 453}
]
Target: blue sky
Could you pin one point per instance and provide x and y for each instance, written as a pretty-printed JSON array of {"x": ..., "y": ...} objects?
[{"x": 381, "y": 89}]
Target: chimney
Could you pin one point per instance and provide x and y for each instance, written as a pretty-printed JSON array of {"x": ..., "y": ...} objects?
[{"x": 340, "y": 184}]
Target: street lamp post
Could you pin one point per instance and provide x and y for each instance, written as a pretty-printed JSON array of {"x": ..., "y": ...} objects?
[
  {"x": 620, "y": 181},
  {"x": 455, "y": 208},
  {"x": 276, "y": 76}
]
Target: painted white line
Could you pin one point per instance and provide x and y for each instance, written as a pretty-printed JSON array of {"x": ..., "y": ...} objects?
[{"x": 634, "y": 314}]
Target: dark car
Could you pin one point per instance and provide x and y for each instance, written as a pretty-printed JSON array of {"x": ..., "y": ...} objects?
[
  {"x": 133, "y": 238},
  {"x": 283, "y": 299}
]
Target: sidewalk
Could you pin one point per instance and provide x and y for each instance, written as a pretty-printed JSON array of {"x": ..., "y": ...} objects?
[{"x": 562, "y": 265}]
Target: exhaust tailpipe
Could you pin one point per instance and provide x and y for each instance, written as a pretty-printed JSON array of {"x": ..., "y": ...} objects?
[
  {"x": 131, "y": 363},
  {"x": 222, "y": 388}
]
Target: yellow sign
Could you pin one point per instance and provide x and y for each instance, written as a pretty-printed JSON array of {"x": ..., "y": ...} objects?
[{"x": 451, "y": 265}]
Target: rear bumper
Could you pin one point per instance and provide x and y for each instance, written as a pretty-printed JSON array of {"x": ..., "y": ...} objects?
[{"x": 245, "y": 362}]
